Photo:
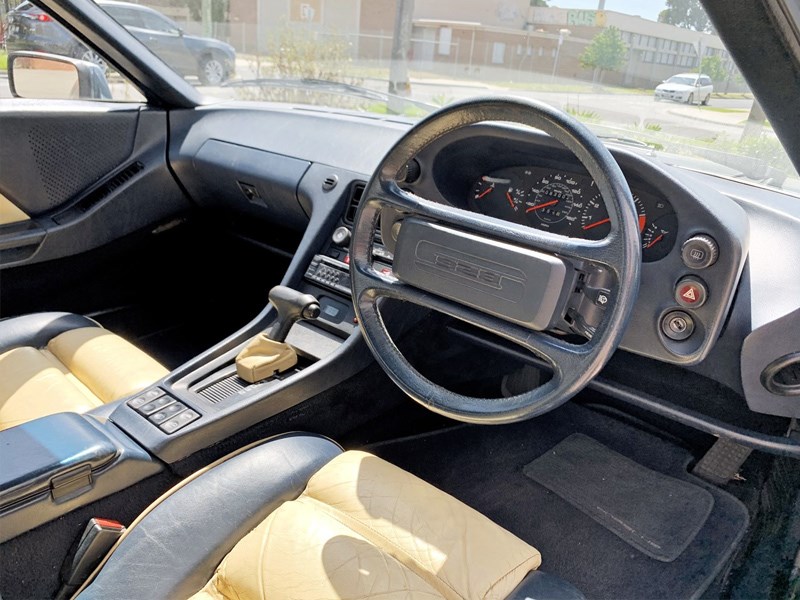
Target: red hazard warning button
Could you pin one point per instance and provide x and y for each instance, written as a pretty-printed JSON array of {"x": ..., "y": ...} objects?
[{"x": 691, "y": 292}]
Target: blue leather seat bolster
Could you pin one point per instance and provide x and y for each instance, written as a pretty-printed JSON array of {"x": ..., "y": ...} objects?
[
  {"x": 37, "y": 329},
  {"x": 175, "y": 548}
]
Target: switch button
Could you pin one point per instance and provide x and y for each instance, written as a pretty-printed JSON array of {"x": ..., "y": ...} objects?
[{"x": 691, "y": 292}]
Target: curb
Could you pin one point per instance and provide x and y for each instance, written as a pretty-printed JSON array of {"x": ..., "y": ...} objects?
[{"x": 676, "y": 113}]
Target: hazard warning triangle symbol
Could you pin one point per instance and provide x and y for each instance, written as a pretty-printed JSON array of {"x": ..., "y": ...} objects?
[{"x": 689, "y": 295}]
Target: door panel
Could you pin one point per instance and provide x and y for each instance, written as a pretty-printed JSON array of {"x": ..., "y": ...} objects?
[
  {"x": 54, "y": 155},
  {"x": 86, "y": 173}
]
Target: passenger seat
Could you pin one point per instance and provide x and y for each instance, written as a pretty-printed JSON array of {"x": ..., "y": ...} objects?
[{"x": 60, "y": 362}]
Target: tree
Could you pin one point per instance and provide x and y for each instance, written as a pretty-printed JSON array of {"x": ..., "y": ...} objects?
[
  {"x": 713, "y": 67},
  {"x": 219, "y": 9},
  {"x": 688, "y": 14},
  {"x": 536, "y": 3},
  {"x": 607, "y": 52}
]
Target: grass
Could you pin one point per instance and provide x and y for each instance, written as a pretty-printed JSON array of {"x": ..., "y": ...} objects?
[
  {"x": 382, "y": 109},
  {"x": 3, "y": 61},
  {"x": 587, "y": 116}
]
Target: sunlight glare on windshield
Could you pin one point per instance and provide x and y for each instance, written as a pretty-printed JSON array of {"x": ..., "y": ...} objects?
[{"x": 653, "y": 72}]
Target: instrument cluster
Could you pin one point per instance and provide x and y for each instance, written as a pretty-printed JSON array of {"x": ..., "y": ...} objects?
[{"x": 569, "y": 204}]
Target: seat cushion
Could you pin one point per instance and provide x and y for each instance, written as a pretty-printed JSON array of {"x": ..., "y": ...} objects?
[
  {"x": 82, "y": 366},
  {"x": 364, "y": 528},
  {"x": 33, "y": 384},
  {"x": 110, "y": 366}
]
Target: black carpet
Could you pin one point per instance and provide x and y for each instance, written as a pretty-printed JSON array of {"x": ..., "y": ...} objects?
[
  {"x": 658, "y": 514},
  {"x": 483, "y": 466}
]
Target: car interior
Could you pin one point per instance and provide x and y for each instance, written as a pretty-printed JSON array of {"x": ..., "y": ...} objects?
[{"x": 274, "y": 350}]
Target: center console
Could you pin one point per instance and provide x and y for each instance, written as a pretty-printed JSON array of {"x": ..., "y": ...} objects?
[
  {"x": 69, "y": 461},
  {"x": 207, "y": 400}
]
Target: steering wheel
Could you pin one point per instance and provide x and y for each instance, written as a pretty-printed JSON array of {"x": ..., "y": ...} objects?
[{"x": 505, "y": 278}]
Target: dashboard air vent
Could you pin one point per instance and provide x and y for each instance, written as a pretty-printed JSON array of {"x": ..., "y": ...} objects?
[
  {"x": 782, "y": 376},
  {"x": 352, "y": 206}
]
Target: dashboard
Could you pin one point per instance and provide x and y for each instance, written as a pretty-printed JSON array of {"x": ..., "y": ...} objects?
[
  {"x": 569, "y": 204},
  {"x": 297, "y": 171}
]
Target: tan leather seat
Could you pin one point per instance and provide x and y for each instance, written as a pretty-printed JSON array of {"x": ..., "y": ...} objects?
[
  {"x": 364, "y": 528},
  {"x": 296, "y": 518},
  {"x": 58, "y": 362}
]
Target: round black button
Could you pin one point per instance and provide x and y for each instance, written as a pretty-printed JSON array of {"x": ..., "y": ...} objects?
[{"x": 699, "y": 252}]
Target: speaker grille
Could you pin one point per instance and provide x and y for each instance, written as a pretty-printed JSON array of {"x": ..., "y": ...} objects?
[{"x": 70, "y": 158}]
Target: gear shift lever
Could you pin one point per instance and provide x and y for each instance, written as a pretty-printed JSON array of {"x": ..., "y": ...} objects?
[
  {"x": 268, "y": 354},
  {"x": 291, "y": 306}
]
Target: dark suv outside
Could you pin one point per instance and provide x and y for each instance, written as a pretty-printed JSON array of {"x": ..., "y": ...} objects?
[{"x": 212, "y": 61}]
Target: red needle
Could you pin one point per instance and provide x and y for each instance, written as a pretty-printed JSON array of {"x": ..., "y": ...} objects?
[
  {"x": 510, "y": 200},
  {"x": 590, "y": 225},
  {"x": 538, "y": 206},
  {"x": 655, "y": 241},
  {"x": 483, "y": 193}
]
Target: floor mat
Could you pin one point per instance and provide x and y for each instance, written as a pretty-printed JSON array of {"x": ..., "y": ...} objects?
[
  {"x": 484, "y": 467},
  {"x": 657, "y": 514}
]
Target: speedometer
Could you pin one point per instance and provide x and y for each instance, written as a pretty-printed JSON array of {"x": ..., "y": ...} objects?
[{"x": 553, "y": 198}]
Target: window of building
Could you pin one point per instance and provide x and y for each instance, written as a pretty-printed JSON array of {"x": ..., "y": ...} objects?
[
  {"x": 498, "y": 53},
  {"x": 445, "y": 39}
]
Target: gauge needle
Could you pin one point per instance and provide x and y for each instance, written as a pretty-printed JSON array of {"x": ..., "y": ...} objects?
[
  {"x": 538, "y": 206},
  {"x": 591, "y": 225},
  {"x": 510, "y": 200},
  {"x": 654, "y": 242},
  {"x": 483, "y": 193}
]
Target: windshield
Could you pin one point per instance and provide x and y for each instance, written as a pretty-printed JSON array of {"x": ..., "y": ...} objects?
[
  {"x": 408, "y": 57},
  {"x": 682, "y": 80}
]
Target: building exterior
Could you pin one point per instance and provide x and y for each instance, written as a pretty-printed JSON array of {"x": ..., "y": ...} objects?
[
  {"x": 258, "y": 20},
  {"x": 510, "y": 36},
  {"x": 500, "y": 39}
]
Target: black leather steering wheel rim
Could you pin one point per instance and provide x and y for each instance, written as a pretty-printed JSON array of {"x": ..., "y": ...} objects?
[{"x": 620, "y": 252}]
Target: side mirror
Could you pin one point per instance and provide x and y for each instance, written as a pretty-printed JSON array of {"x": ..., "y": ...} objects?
[{"x": 50, "y": 76}]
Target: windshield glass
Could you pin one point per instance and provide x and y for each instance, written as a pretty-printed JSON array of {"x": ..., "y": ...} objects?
[
  {"x": 682, "y": 80},
  {"x": 407, "y": 57}
]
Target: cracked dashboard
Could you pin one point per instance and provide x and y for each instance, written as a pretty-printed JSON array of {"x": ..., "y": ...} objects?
[{"x": 694, "y": 240}]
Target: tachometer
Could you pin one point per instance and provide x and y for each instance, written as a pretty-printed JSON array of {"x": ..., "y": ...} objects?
[{"x": 553, "y": 198}]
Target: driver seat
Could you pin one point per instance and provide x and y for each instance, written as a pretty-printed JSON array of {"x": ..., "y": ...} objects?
[{"x": 296, "y": 517}]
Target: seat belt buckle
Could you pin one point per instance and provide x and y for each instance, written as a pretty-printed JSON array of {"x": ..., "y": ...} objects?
[{"x": 91, "y": 547}]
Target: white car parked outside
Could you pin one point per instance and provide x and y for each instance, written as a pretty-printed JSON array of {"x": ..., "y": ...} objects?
[{"x": 686, "y": 87}]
